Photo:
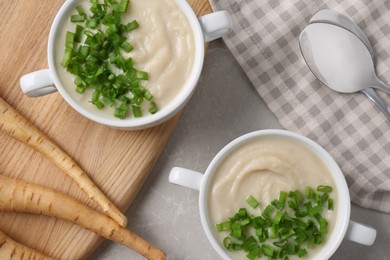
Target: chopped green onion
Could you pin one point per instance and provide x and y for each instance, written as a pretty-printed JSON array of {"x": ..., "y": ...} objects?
[
  {"x": 69, "y": 40},
  {"x": 122, "y": 7},
  {"x": 302, "y": 252},
  {"x": 252, "y": 202},
  {"x": 78, "y": 35},
  {"x": 67, "y": 56},
  {"x": 126, "y": 46},
  {"x": 224, "y": 226},
  {"x": 236, "y": 231},
  {"x": 93, "y": 52},
  {"x": 282, "y": 197},
  {"x": 142, "y": 75},
  {"x": 278, "y": 218},
  {"x": 290, "y": 234},
  {"x": 92, "y": 23},
  {"x": 131, "y": 26},
  {"x": 267, "y": 211},
  {"x": 309, "y": 192},
  {"x": 322, "y": 188},
  {"x": 314, "y": 210},
  {"x": 120, "y": 112},
  {"x": 268, "y": 250},
  {"x": 77, "y": 18},
  {"x": 153, "y": 108},
  {"x": 287, "y": 235},
  {"x": 249, "y": 243},
  {"x": 80, "y": 10},
  {"x": 136, "y": 111},
  {"x": 330, "y": 204}
]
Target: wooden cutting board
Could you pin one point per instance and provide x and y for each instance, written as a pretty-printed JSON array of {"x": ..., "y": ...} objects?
[{"x": 118, "y": 161}]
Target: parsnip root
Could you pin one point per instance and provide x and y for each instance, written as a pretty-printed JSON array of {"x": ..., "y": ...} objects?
[
  {"x": 18, "y": 127},
  {"x": 20, "y": 196},
  {"x": 10, "y": 249}
]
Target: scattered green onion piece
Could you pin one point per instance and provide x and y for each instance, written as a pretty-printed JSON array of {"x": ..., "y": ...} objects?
[
  {"x": 277, "y": 204},
  {"x": 92, "y": 23},
  {"x": 323, "y": 188},
  {"x": 267, "y": 211},
  {"x": 268, "y": 250},
  {"x": 280, "y": 243},
  {"x": 242, "y": 213},
  {"x": 323, "y": 226},
  {"x": 302, "y": 252},
  {"x": 309, "y": 193},
  {"x": 227, "y": 243},
  {"x": 122, "y": 7},
  {"x": 142, "y": 75},
  {"x": 67, "y": 56},
  {"x": 131, "y": 26},
  {"x": 314, "y": 210},
  {"x": 282, "y": 197},
  {"x": 99, "y": 104},
  {"x": 236, "y": 231},
  {"x": 80, "y": 10},
  {"x": 77, "y": 18},
  {"x": 249, "y": 243},
  {"x": 277, "y": 218},
  {"x": 136, "y": 111},
  {"x": 224, "y": 226},
  {"x": 283, "y": 254},
  {"x": 126, "y": 46},
  {"x": 69, "y": 40},
  {"x": 287, "y": 235},
  {"x": 330, "y": 204},
  {"x": 254, "y": 252},
  {"x": 273, "y": 231},
  {"x": 121, "y": 111},
  {"x": 78, "y": 35},
  {"x": 252, "y": 202}
]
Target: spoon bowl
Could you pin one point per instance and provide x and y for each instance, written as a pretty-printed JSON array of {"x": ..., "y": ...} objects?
[
  {"x": 337, "y": 57},
  {"x": 330, "y": 16},
  {"x": 341, "y": 61}
]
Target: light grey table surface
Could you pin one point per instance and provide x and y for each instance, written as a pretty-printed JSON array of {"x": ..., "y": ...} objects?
[{"x": 224, "y": 106}]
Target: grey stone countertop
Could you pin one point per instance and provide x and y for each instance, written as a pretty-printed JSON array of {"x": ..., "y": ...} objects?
[{"x": 224, "y": 106}]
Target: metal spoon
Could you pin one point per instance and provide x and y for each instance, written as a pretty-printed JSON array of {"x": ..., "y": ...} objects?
[
  {"x": 341, "y": 61},
  {"x": 332, "y": 17}
]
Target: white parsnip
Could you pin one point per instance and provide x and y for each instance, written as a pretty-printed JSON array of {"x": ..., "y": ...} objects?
[
  {"x": 18, "y": 127},
  {"x": 10, "y": 249},
  {"x": 20, "y": 196}
]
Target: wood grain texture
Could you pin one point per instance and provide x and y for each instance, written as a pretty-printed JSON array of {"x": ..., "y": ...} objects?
[{"x": 117, "y": 161}]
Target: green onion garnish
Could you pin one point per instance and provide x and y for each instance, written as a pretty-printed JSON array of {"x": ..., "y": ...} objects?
[
  {"x": 93, "y": 53},
  {"x": 77, "y": 18},
  {"x": 252, "y": 202},
  {"x": 322, "y": 188},
  {"x": 280, "y": 231}
]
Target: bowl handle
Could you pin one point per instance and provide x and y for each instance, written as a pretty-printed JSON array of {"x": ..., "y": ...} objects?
[{"x": 185, "y": 177}]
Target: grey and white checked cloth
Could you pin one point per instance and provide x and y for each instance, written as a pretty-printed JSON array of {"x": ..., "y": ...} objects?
[{"x": 264, "y": 41}]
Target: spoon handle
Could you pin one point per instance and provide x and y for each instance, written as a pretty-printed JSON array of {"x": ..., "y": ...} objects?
[
  {"x": 378, "y": 101},
  {"x": 379, "y": 84}
]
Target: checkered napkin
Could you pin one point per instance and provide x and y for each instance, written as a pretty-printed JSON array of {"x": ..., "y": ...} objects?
[{"x": 264, "y": 41}]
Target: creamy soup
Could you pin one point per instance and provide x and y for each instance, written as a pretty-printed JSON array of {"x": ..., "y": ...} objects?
[
  {"x": 262, "y": 168},
  {"x": 163, "y": 46}
]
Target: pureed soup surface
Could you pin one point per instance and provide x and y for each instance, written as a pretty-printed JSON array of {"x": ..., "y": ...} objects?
[
  {"x": 262, "y": 168},
  {"x": 163, "y": 44}
]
